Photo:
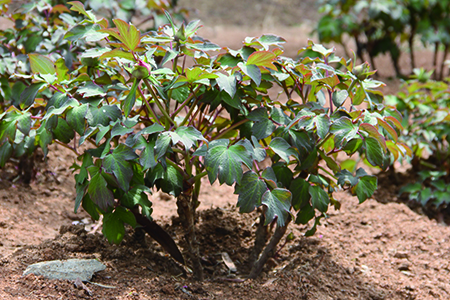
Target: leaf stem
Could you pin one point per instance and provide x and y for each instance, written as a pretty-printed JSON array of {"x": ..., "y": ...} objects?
[
  {"x": 67, "y": 146},
  {"x": 176, "y": 166},
  {"x": 230, "y": 128},
  {"x": 158, "y": 103},
  {"x": 197, "y": 177},
  {"x": 189, "y": 113},
  {"x": 185, "y": 102},
  {"x": 149, "y": 107},
  {"x": 320, "y": 144}
]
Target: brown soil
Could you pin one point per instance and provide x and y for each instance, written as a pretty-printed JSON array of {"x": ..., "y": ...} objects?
[{"x": 370, "y": 251}]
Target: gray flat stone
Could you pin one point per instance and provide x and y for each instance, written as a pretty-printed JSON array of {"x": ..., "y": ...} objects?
[{"x": 66, "y": 270}]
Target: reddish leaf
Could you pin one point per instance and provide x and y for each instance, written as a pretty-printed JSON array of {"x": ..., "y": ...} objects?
[
  {"x": 41, "y": 64},
  {"x": 393, "y": 149},
  {"x": 79, "y": 7},
  {"x": 332, "y": 81},
  {"x": 131, "y": 37},
  {"x": 118, "y": 53},
  {"x": 262, "y": 59},
  {"x": 388, "y": 128},
  {"x": 373, "y": 132},
  {"x": 394, "y": 121}
]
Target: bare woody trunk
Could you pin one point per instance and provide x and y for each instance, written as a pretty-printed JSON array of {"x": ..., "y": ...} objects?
[
  {"x": 260, "y": 240},
  {"x": 269, "y": 251},
  {"x": 435, "y": 60},
  {"x": 444, "y": 59},
  {"x": 411, "y": 48},
  {"x": 186, "y": 212}
]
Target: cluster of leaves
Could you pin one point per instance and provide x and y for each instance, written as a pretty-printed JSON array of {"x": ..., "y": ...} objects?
[
  {"x": 167, "y": 108},
  {"x": 425, "y": 106},
  {"x": 46, "y": 28},
  {"x": 381, "y": 26}
]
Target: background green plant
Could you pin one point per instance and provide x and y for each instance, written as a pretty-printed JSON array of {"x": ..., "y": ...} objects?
[
  {"x": 425, "y": 106},
  {"x": 167, "y": 108},
  {"x": 383, "y": 26}
]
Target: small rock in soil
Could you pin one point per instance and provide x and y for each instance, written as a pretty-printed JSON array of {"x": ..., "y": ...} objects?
[
  {"x": 66, "y": 270},
  {"x": 401, "y": 254},
  {"x": 404, "y": 267}
]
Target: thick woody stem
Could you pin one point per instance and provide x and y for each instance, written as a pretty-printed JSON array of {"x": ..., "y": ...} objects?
[
  {"x": 186, "y": 212},
  {"x": 269, "y": 250},
  {"x": 260, "y": 240}
]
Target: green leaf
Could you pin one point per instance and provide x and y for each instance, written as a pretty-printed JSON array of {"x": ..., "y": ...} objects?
[
  {"x": 129, "y": 101},
  {"x": 41, "y": 64},
  {"x": 137, "y": 196},
  {"x": 227, "y": 83},
  {"x": 44, "y": 138},
  {"x": 162, "y": 144},
  {"x": 90, "y": 207},
  {"x": 313, "y": 230},
  {"x": 147, "y": 157},
  {"x": 300, "y": 193},
  {"x": 374, "y": 151},
  {"x": 76, "y": 118},
  {"x": 151, "y": 129},
  {"x": 331, "y": 163},
  {"x": 113, "y": 228},
  {"x": 319, "y": 198},
  {"x": 278, "y": 203},
  {"x": 283, "y": 173},
  {"x": 232, "y": 101},
  {"x": 99, "y": 192},
  {"x": 343, "y": 130},
  {"x": 251, "y": 71},
  {"x": 339, "y": 97},
  {"x": 61, "y": 70},
  {"x": 225, "y": 163},
  {"x": 91, "y": 90},
  {"x": 259, "y": 152},
  {"x": 305, "y": 215},
  {"x": 270, "y": 178},
  {"x": 170, "y": 181},
  {"x": 81, "y": 189},
  {"x": 322, "y": 125},
  {"x": 365, "y": 187},
  {"x": 63, "y": 132},
  {"x": 89, "y": 32},
  {"x": 359, "y": 97},
  {"x": 24, "y": 123},
  {"x": 6, "y": 151},
  {"x": 322, "y": 50},
  {"x": 345, "y": 177},
  {"x": 29, "y": 94},
  {"x": 425, "y": 195},
  {"x": 117, "y": 163},
  {"x": 282, "y": 148},
  {"x": 188, "y": 136},
  {"x": 279, "y": 116},
  {"x": 250, "y": 191},
  {"x": 125, "y": 215},
  {"x": 263, "y": 129}
]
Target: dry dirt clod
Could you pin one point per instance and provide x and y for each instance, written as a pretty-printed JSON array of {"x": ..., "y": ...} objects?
[
  {"x": 404, "y": 267},
  {"x": 401, "y": 254}
]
